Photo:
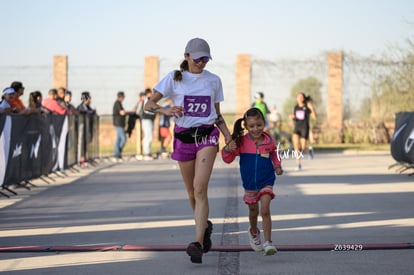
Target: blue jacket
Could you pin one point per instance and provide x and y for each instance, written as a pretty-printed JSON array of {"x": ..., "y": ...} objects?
[{"x": 257, "y": 161}]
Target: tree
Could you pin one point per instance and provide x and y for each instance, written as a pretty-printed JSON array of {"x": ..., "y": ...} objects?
[
  {"x": 310, "y": 86},
  {"x": 395, "y": 91}
]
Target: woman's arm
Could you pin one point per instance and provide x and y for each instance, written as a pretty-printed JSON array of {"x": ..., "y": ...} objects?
[
  {"x": 313, "y": 113},
  {"x": 221, "y": 124},
  {"x": 153, "y": 106}
]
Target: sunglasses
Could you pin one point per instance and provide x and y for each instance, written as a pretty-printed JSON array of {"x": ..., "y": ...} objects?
[{"x": 205, "y": 59}]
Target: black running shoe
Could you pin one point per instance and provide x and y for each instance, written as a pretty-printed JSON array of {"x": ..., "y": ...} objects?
[
  {"x": 207, "y": 237},
  {"x": 195, "y": 252}
]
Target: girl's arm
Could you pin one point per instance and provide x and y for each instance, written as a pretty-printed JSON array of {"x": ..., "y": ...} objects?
[{"x": 229, "y": 152}]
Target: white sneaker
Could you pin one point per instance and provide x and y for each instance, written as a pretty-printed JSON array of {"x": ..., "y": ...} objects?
[
  {"x": 148, "y": 157},
  {"x": 269, "y": 249},
  {"x": 255, "y": 241}
]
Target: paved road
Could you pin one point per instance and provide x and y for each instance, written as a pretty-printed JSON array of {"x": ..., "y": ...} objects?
[{"x": 133, "y": 218}]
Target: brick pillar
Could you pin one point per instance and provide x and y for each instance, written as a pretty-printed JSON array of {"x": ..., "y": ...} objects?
[
  {"x": 335, "y": 105},
  {"x": 60, "y": 71},
  {"x": 151, "y": 70},
  {"x": 243, "y": 83},
  {"x": 151, "y": 76}
]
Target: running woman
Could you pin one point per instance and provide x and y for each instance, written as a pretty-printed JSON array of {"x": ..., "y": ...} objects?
[
  {"x": 196, "y": 94},
  {"x": 301, "y": 114}
]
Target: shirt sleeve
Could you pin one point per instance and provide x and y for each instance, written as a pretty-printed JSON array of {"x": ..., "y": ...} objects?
[{"x": 228, "y": 157}]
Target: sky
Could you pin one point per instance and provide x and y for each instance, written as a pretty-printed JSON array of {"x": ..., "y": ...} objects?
[
  {"x": 119, "y": 32},
  {"x": 122, "y": 32}
]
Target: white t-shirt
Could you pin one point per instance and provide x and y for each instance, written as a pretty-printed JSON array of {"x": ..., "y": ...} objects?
[
  {"x": 4, "y": 105},
  {"x": 196, "y": 93}
]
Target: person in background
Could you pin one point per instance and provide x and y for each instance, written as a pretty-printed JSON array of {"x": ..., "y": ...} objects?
[
  {"x": 118, "y": 120},
  {"x": 35, "y": 100},
  {"x": 259, "y": 162},
  {"x": 61, "y": 96},
  {"x": 17, "y": 102},
  {"x": 301, "y": 114},
  {"x": 196, "y": 95},
  {"x": 260, "y": 104},
  {"x": 85, "y": 106},
  {"x": 6, "y": 100},
  {"x": 164, "y": 129},
  {"x": 147, "y": 123},
  {"x": 50, "y": 104},
  {"x": 19, "y": 89},
  {"x": 67, "y": 100}
]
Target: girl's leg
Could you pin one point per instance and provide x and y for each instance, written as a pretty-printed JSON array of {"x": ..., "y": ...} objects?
[
  {"x": 253, "y": 214},
  {"x": 266, "y": 217}
]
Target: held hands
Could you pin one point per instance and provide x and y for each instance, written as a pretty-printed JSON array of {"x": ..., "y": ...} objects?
[{"x": 231, "y": 146}]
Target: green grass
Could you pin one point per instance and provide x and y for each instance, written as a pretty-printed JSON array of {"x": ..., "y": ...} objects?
[{"x": 351, "y": 147}]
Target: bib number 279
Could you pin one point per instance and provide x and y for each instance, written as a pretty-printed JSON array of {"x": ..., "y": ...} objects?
[{"x": 197, "y": 106}]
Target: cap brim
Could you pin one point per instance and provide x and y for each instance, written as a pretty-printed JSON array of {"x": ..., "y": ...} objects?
[{"x": 199, "y": 54}]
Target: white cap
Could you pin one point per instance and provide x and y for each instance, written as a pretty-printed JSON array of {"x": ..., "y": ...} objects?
[{"x": 8, "y": 91}]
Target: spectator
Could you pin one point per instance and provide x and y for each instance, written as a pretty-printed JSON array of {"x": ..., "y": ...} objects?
[
  {"x": 147, "y": 124},
  {"x": 61, "y": 96},
  {"x": 85, "y": 106},
  {"x": 7, "y": 98},
  {"x": 139, "y": 109},
  {"x": 68, "y": 104},
  {"x": 118, "y": 119},
  {"x": 52, "y": 105},
  {"x": 164, "y": 129},
  {"x": 35, "y": 100},
  {"x": 19, "y": 89},
  {"x": 35, "y": 103}
]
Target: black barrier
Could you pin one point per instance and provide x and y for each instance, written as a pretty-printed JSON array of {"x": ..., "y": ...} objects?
[
  {"x": 37, "y": 145},
  {"x": 402, "y": 143}
]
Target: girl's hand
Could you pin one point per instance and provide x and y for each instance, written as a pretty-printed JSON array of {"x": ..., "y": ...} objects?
[
  {"x": 278, "y": 171},
  {"x": 231, "y": 146}
]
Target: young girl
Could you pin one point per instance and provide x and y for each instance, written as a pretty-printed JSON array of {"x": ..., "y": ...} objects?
[{"x": 258, "y": 164}]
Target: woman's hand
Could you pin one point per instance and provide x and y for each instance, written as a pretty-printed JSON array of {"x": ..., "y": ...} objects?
[
  {"x": 176, "y": 111},
  {"x": 231, "y": 146}
]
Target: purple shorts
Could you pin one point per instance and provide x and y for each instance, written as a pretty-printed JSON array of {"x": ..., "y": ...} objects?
[{"x": 188, "y": 151}]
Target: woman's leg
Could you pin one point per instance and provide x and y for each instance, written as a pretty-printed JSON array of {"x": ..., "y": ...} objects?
[
  {"x": 196, "y": 175},
  {"x": 203, "y": 168},
  {"x": 187, "y": 173},
  {"x": 303, "y": 144},
  {"x": 296, "y": 147}
]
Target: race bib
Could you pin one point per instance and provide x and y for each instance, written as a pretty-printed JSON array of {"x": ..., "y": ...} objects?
[
  {"x": 300, "y": 114},
  {"x": 197, "y": 106}
]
